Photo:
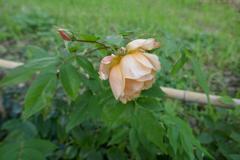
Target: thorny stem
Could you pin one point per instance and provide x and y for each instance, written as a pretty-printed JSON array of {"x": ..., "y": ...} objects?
[
  {"x": 95, "y": 49},
  {"x": 96, "y": 42}
]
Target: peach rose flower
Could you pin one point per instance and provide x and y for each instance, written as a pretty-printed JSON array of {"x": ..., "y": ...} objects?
[{"x": 131, "y": 72}]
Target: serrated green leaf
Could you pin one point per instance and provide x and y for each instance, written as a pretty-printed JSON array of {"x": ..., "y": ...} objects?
[
  {"x": 94, "y": 155},
  {"x": 150, "y": 103},
  {"x": 116, "y": 40},
  {"x": 200, "y": 75},
  {"x": 87, "y": 107},
  {"x": 205, "y": 138},
  {"x": 87, "y": 66},
  {"x": 119, "y": 136},
  {"x": 88, "y": 37},
  {"x": 179, "y": 64},
  {"x": 154, "y": 92},
  {"x": 16, "y": 126},
  {"x": 43, "y": 146},
  {"x": 77, "y": 116},
  {"x": 116, "y": 113},
  {"x": 151, "y": 127},
  {"x": 24, "y": 72},
  {"x": 115, "y": 153},
  {"x": 71, "y": 152},
  {"x": 31, "y": 149},
  {"x": 181, "y": 137},
  {"x": 70, "y": 80},
  {"x": 35, "y": 52},
  {"x": 235, "y": 136},
  {"x": 91, "y": 83},
  {"x": 226, "y": 100},
  {"x": 41, "y": 63},
  {"x": 134, "y": 142},
  {"x": 39, "y": 94}
]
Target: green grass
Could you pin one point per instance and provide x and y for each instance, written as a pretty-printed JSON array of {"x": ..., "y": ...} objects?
[{"x": 211, "y": 28}]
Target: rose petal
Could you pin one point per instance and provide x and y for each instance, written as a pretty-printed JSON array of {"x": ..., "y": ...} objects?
[
  {"x": 148, "y": 84},
  {"x": 125, "y": 98},
  {"x": 145, "y": 44},
  {"x": 154, "y": 60},
  {"x": 107, "y": 59},
  {"x": 146, "y": 77},
  {"x": 117, "y": 81},
  {"x": 104, "y": 67},
  {"x": 132, "y": 90},
  {"x": 143, "y": 60},
  {"x": 132, "y": 69},
  {"x": 132, "y": 86}
]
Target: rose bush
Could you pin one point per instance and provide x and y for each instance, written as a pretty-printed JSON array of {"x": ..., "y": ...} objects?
[{"x": 69, "y": 113}]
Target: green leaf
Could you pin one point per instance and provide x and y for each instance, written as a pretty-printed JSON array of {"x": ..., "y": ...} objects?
[
  {"x": 87, "y": 66},
  {"x": 173, "y": 135},
  {"x": 77, "y": 116},
  {"x": 31, "y": 149},
  {"x": 95, "y": 155},
  {"x": 70, "y": 79},
  {"x": 151, "y": 127},
  {"x": 179, "y": 64},
  {"x": 35, "y": 52},
  {"x": 234, "y": 156},
  {"x": 154, "y": 92},
  {"x": 181, "y": 138},
  {"x": 42, "y": 63},
  {"x": 200, "y": 75},
  {"x": 134, "y": 142},
  {"x": 16, "y": 76},
  {"x": 150, "y": 103},
  {"x": 235, "y": 136},
  {"x": 226, "y": 100},
  {"x": 116, "y": 113},
  {"x": 39, "y": 94},
  {"x": 205, "y": 138},
  {"x": 70, "y": 152},
  {"x": 87, "y": 107},
  {"x": 119, "y": 136},
  {"x": 115, "y": 153},
  {"x": 116, "y": 40},
  {"x": 18, "y": 129},
  {"x": 43, "y": 146},
  {"x": 91, "y": 83},
  {"x": 24, "y": 72},
  {"x": 88, "y": 37}
]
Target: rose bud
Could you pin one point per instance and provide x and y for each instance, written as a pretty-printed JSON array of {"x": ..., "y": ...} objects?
[
  {"x": 132, "y": 72},
  {"x": 65, "y": 34}
]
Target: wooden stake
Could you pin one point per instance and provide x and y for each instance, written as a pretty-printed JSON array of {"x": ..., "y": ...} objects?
[
  {"x": 184, "y": 95},
  {"x": 9, "y": 64},
  {"x": 198, "y": 97}
]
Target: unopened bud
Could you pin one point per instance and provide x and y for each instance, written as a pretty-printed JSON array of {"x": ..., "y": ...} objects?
[{"x": 65, "y": 34}]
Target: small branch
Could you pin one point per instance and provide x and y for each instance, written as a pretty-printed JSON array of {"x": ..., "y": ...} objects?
[
  {"x": 96, "y": 42},
  {"x": 95, "y": 49},
  {"x": 184, "y": 95}
]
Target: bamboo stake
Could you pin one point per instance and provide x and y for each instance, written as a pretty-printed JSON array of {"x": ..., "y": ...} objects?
[
  {"x": 198, "y": 97},
  {"x": 184, "y": 95},
  {"x": 9, "y": 64}
]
